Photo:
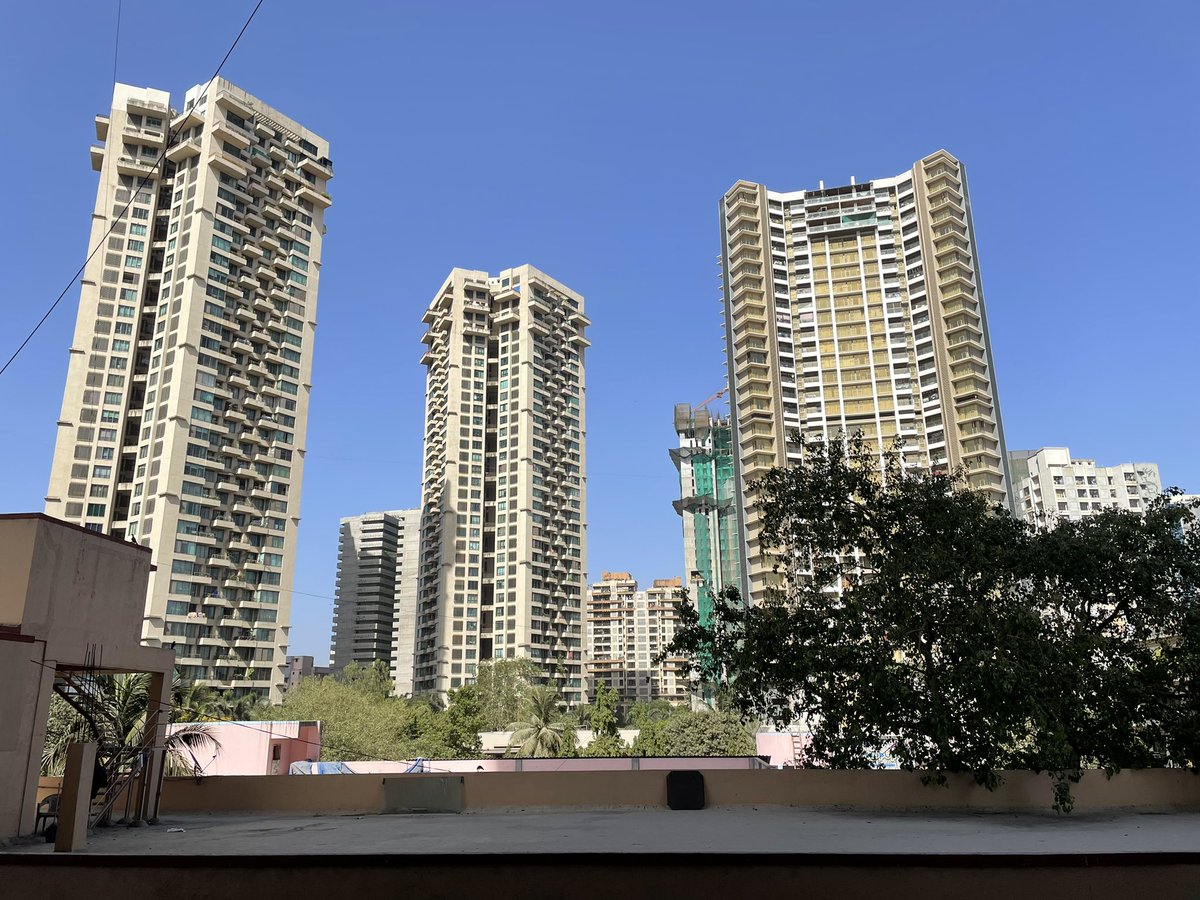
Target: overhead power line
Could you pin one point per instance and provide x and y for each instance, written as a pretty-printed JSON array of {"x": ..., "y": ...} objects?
[{"x": 121, "y": 215}]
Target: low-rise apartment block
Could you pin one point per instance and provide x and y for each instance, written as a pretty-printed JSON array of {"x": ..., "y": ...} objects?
[{"x": 1050, "y": 484}]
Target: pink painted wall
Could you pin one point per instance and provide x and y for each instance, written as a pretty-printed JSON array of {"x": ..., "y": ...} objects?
[
  {"x": 621, "y": 764},
  {"x": 249, "y": 748},
  {"x": 779, "y": 747}
]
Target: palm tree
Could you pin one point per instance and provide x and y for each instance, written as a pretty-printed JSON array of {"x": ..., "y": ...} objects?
[
  {"x": 540, "y": 733},
  {"x": 240, "y": 708},
  {"x": 116, "y": 720},
  {"x": 192, "y": 701}
]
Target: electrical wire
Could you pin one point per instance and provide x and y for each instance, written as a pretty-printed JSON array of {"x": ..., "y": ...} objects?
[
  {"x": 117, "y": 41},
  {"x": 121, "y": 215}
]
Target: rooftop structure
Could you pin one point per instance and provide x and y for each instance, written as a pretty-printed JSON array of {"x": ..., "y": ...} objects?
[{"x": 71, "y": 612}]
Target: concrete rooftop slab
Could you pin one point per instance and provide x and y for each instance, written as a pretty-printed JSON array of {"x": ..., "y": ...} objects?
[{"x": 721, "y": 830}]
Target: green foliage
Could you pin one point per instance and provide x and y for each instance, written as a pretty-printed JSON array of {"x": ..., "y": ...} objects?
[
  {"x": 913, "y": 616},
  {"x": 373, "y": 680},
  {"x": 116, "y": 717},
  {"x": 539, "y": 732},
  {"x": 645, "y": 711},
  {"x": 606, "y": 745},
  {"x": 503, "y": 686},
  {"x": 603, "y": 717},
  {"x": 689, "y": 733},
  {"x": 361, "y": 719},
  {"x": 462, "y": 721}
]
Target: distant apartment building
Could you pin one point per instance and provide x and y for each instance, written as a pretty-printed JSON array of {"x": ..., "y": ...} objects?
[
  {"x": 186, "y": 404},
  {"x": 299, "y": 667},
  {"x": 857, "y": 308},
  {"x": 375, "y": 609},
  {"x": 707, "y": 504},
  {"x": 626, "y": 629},
  {"x": 1050, "y": 484},
  {"x": 504, "y": 514}
]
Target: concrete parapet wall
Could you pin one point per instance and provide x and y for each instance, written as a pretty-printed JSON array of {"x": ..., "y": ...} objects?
[{"x": 1148, "y": 790}]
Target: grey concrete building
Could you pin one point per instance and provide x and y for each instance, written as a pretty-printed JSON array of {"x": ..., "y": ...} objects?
[{"x": 375, "y": 611}]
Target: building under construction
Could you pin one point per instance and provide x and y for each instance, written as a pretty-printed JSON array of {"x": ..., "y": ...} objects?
[{"x": 707, "y": 502}]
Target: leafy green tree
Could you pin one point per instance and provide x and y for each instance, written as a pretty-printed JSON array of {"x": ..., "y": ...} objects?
[
  {"x": 462, "y": 721},
  {"x": 695, "y": 734},
  {"x": 539, "y": 730},
  {"x": 503, "y": 685},
  {"x": 1119, "y": 600},
  {"x": 581, "y": 715},
  {"x": 606, "y": 737},
  {"x": 373, "y": 679},
  {"x": 360, "y": 721},
  {"x": 911, "y": 615},
  {"x": 645, "y": 711}
]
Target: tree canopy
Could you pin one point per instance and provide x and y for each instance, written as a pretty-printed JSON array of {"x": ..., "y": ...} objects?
[
  {"x": 539, "y": 731},
  {"x": 502, "y": 686},
  {"x": 688, "y": 733},
  {"x": 362, "y": 720},
  {"x": 606, "y": 738},
  {"x": 912, "y": 616}
]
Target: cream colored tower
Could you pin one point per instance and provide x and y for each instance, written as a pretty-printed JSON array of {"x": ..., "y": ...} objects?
[
  {"x": 627, "y": 629},
  {"x": 186, "y": 404},
  {"x": 504, "y": 515},
  {"x": 858, "y": 308}
]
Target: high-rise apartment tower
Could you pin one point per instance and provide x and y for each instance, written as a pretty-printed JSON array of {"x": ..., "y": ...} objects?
[
  {"x": 857, "y": 308},
  {"x": 186, "y": 402},
  {"x": 708, "y": 505},
  {"x": 504, "y": 514},
  {"x": 375, "y": 611}
]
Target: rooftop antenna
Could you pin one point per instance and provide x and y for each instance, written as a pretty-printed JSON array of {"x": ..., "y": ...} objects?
[
  {"x": 852, "y": 181},
  {"x": 822, "y": 185}
]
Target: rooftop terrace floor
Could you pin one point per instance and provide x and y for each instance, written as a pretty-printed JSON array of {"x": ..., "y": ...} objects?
[{"x": 719, "y": 830}]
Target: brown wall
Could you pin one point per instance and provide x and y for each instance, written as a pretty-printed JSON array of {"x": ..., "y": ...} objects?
[{"x": 1147, "y": 790}]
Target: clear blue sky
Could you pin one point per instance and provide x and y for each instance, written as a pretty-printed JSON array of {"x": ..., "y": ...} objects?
[{"x": 594, "y": 142}]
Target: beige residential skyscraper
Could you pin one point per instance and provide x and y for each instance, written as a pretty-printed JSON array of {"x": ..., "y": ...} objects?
[
  {"x": 504, "y": 514},
  {"x": 626, "y": 630},
  {"x": 858, "y": 308},
  {"x": 186, "y": 404}
]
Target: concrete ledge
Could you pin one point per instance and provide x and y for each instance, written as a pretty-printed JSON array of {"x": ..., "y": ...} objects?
[
  {"x": 1155, "y": 790},
  {"x": 434, "y": 794}
]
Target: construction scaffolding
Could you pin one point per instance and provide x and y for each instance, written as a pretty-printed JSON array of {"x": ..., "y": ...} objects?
[{"x": 707, "y": 504}]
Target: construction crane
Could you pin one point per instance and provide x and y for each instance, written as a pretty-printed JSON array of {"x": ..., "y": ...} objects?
[{"x": 719, "y": 394}]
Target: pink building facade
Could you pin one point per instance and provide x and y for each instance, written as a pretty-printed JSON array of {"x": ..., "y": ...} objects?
[{"x": 258, "y": 748}]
